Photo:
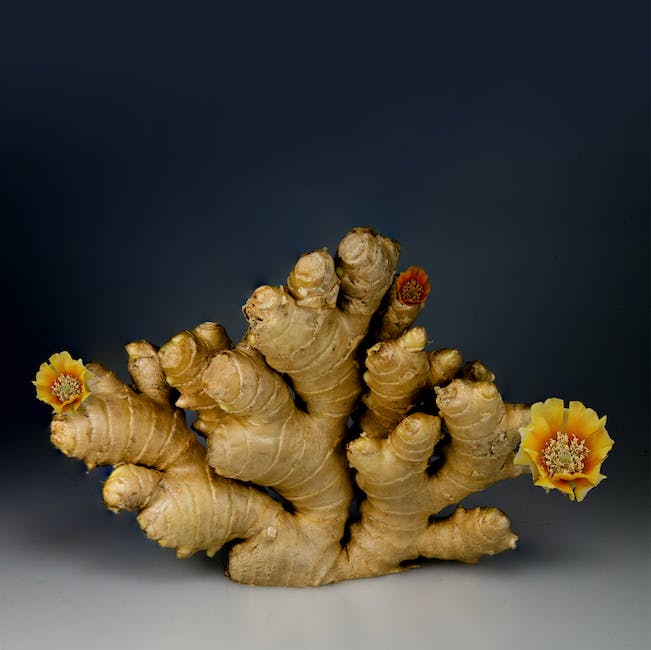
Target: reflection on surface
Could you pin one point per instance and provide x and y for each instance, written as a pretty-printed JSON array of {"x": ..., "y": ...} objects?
[{"x": 72, "y": 568}]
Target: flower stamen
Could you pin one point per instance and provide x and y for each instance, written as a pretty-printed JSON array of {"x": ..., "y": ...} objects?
[
  {"x": 564, "y": 454},
  {"x": 66, "y": 388},
  {"x": 413, "y": 286},
  {"x": 411, "y": 292}
]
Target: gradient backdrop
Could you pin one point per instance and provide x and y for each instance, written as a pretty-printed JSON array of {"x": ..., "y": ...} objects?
[{"x": 158, "y": 164}]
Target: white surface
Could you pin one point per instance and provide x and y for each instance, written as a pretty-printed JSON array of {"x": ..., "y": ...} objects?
[{"x": 74, "y": 575}]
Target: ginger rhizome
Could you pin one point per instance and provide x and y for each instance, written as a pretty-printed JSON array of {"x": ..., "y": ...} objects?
[{"x": 320, "y": 428}]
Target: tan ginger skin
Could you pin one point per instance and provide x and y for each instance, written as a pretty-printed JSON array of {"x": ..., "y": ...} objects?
[{"x": 276, "y": 479}]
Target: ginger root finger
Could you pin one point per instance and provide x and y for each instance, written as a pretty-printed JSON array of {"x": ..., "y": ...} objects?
[
  {"x": 267, "y": 440},
  {"x": 262, "y": 436},
  {"x": 243, "y": 385},
  {"x": 202, "y": 512},
  {"x": 476, "y": 371},
  {"x": 144, "y": 366},
  {"x": 314, "y": 348},
  {"x": 129, "y": 487},
  {"x": 313, "y": 282},
  {"x": 468, "y": 535},
  {"x": 184, "y": 359},
  {"x": 278, "y": 326},
  {"x": 116, "y": 425},
  {"x": 480, "y": 442},
  {"x": 302, "y": 333},
  {"x": 188, "y": 508},
  {"x": 182, "y": 503},
  {"x": 396, "y": 373},
  {"x": 392, "y": 471},
  {"x": 366, "y": 263},
  {"x": 444, "y": 365}
]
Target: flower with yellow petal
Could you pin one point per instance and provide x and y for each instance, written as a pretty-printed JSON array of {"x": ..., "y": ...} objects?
[
  {"x": 413, "y": 286},
  {"x": 62, "y": 383},
  {"x": 564, "y": 447}
]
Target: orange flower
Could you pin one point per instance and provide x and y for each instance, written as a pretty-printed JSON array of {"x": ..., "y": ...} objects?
[
  {"x": 62, "y": 383},
  {"x": 564, "y": 447},
  {"x": 413, "y": 286}
]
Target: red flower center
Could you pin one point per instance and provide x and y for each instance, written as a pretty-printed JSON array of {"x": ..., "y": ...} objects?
[
  {"x": 412, "y": 286},
  {"x": 411, "y": 292},
  {"x": 564, "y": 454}
]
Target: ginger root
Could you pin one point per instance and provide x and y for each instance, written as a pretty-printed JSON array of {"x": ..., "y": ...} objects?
[{"x": 320, "y": 427}]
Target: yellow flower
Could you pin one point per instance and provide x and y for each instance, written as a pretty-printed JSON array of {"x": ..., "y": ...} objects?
[
  {"x": 62, "y": 383},
  {"x": 564, "y": 447}
]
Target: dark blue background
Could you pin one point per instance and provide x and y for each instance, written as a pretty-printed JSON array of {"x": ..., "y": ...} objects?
[{"x": 159, "y": 163}]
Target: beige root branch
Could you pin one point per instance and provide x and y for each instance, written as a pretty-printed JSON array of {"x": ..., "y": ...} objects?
[{"x": 304, "y": 406}]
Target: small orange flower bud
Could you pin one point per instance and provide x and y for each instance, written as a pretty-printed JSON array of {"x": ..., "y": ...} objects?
[{"x": 412, "y": 286}]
